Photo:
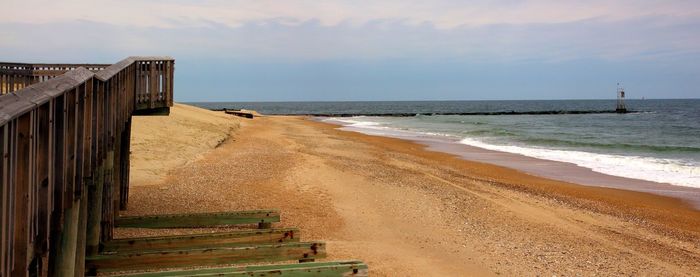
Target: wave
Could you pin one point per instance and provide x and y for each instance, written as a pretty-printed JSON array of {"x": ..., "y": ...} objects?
[
  {"x": 675, "y": 172},
  {"x": 357, "y": 123},
  {"x": 672, "y": 171},
  {"x": 620, "y": 146}
]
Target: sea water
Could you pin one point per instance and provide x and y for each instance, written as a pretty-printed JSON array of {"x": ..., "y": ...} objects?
[{"x": 659, "y": 142}]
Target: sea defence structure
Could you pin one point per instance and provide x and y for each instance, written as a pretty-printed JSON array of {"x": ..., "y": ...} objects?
[
  {"x": 65, "y": 132},
  {"x": 550, "y": 112}
]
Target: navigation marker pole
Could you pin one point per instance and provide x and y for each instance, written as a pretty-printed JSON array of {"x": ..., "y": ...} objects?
[{"x": 620, "y": 100}]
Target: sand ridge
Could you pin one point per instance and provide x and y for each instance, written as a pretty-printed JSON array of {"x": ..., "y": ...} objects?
[
  {"x": 160, "y": 144},
  {"x": 410, "y": 212}
]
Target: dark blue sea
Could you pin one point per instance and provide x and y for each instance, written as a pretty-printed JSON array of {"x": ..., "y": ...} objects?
[{"x": 659, "y": 142}]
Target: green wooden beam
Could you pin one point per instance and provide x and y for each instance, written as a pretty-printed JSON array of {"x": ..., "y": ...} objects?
[
  {"x": 232, "y": 238},
  {"x": 261, "y": 217},
  {"x": 320, "y": 269},
  {"x": 205, "y": 256}
]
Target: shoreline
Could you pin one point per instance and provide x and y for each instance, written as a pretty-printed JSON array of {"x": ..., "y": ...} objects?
[
  {"x": 670, "y": 212},
  {"x": 555, "y": 170},
  {"x": 407, "y": 210}
]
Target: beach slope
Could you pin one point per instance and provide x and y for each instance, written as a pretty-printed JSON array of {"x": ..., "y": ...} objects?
[{"x": 411, "y": 212}]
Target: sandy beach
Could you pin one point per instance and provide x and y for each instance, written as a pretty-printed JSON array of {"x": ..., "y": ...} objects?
[{"x": 404, "y": 210}]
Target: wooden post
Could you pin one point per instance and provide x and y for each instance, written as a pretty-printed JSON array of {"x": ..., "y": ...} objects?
[
  {"x": 125, "y": 163},
  {"x": 167, "y": 96},
  {"x": 70, "y": 147},
  {"x": 44, "y": 180},
  {"x": 65, "y": 263},
  {"x": 171, "y": 90},
  {"x": 117, "y": 148},
  {"x": 21, "y": 196},
  {"x": 83, "y": 176},
  {"x": 57, "y": 217},
  {"x": 107, "y": 220},
  {"x": 95, "y": 187},
  {"x": 153, "y": 85},
  {"x": 108, "y": 187},
  {"x": 95, "y": 212},
  {"x": 4, "y": 268},
  {"x": 79, "y": 269}
]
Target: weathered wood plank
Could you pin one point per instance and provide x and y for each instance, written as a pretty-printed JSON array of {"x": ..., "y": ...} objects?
[
  {"x": 71, "y": 137},
  {"x": 199, "y": 219},
  {"x": 4, "y": 203},
  {"x": 323, "y": 269},
  {"x": 21, "y": 245},
  {"x": 112, "y": 70},
  {"x": 205, "y": 256},
  {"x": 204, "y": 240},
  {"x": 43, "y": 160},
  {"x": 153, "y": 85}
]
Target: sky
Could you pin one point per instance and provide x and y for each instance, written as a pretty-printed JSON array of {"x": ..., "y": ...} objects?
[{"x": 291, "y": 50}]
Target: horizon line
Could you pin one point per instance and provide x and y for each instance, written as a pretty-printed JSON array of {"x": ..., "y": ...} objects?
[{"x": 322, "y": 101}]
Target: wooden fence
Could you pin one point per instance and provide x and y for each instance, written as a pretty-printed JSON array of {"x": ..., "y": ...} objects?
[{"x": 64, "y": 157}]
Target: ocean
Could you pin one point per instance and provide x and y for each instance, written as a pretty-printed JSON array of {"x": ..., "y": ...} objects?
[{"x": 659, "y": 142}]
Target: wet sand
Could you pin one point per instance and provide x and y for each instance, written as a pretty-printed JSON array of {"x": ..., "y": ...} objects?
[
  {"x": 555, "y": 170},
  {"x": 408, "y": 211}
]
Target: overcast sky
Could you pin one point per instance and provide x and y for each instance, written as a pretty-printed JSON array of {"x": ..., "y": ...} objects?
[{"x": 377, "y": 50}]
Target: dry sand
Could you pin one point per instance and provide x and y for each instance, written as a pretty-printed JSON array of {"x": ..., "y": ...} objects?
[
  {"x": 404, "y": 210},
  {"x": 160, "y": 144}
]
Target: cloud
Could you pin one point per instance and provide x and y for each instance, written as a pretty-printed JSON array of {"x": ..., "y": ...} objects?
[
  {"x": 358, "y": 49},
  {"x": 652, "y": 37},
  {"x": 500, "y": 31},
  {"x": 442, "y": 14}
]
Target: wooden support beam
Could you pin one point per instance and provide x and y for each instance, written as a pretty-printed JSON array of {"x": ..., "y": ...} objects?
[
  {"x": 65, "y": 261},
  {"x": 204, "y": 240},
  {"x": 260, "y": 217},
  {"x": 125, "y": 164},
  {"x": 316, "y": 269},
  {"x": 94, "y": 212},
  {"x": 96, "y": 186},
  {"x": 81, "y": 233},
  {"x": 205, "y": 256}
]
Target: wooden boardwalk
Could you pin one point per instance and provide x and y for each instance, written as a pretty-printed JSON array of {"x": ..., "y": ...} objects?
[
  {"x": 65, "y": 132},
  {"x": 64, "y": 148}
]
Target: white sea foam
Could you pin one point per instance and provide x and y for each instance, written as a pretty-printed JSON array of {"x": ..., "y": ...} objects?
[
  {"x": 674, "y": 172},
  {"x": 670, "y": 171}
]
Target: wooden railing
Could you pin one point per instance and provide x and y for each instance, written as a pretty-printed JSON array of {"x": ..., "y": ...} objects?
[
  {"x": 64, "y": 157},
  {"x": 16, "y": 76}
]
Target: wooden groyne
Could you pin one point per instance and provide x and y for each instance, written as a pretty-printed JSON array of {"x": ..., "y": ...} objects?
[
  {"x": 239, "y": 113},
  {"x": 64, "y": 145}
]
